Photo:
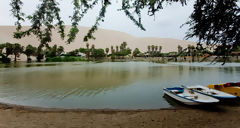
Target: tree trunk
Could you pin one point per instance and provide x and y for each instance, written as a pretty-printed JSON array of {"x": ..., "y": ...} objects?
[
  {"x": 15, "y": 58},
  {"x": 28, "y": 59}
]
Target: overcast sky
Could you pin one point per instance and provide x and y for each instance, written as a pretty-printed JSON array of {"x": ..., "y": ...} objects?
[{"x": 165, "y": 24}]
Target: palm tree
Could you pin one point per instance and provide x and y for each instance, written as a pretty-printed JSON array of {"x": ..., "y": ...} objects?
[
  {"x": 116, "y": 48},
  {"x": 124, "y": 45},
  {"x": 112, "y": 50},
  {"x": 179, "y": 49},
  {"x": 93, "y": 46},
  {"x": 149, "y": 48},
  {"x": 107, "y": 50},
  {"x": 17, "y": 49},
  {"x": 87, "y": 45},
  {"x": 160, "y": 49},
  {"x": 121, "y": 48},
  {"x": 156, "y": 49},
  {"x": 153, "y": 47}
]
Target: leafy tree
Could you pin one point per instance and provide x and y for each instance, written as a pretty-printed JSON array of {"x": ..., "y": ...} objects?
[
  {"x": 17, "y": 50},
  {"x": 216, "y": 22},
  {"x": 51, "y": 51},
  {"x": 136, "y": 52},
  {"x": 30, "y": 51},
  {"x": 98, "y": 53},
  {"x": 83, "y": 50},
  {"x": 128, "y": 51},
  {"x": 40, "y": 54},
  {"x": 9, "y": 49}
]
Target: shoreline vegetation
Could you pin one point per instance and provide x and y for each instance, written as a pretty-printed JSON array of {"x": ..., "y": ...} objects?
[{"x": 11, "y": 52}]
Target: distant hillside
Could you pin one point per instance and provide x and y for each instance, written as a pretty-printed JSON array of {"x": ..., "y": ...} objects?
[{"x": 104, "y": 38}]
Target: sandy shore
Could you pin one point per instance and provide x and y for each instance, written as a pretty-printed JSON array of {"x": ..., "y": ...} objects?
[{"x": 27, "y": 117}]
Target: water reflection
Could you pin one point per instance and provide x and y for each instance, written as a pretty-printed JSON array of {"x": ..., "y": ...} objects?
[{"x": 102, "y": 85}]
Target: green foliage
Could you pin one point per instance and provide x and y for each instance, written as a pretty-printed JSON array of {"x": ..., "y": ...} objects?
[
  {"x": 80, "y": 9},
  {"x": 9, "y": 49},
  {"x": 17, "y": 50},
  {"x": 107, "y": 50},
  {"x": 16, "y": 11},
  {"x": 40, "y": 54},
  {"x": 73, "y": 53},
  {"x": 216, "y": 22},
  {"x": 45, "y": 15},
  {"x": 51, "y": 52},
  {"x": 136, "y": 52},
  {"x": 64, "y": 59},
  {"x": 30, "y": 51},
  {"x": 113, "y": 57},
  {"x": 84, "y": 50},
  {"x": 5, "y": 59},
  {"x": 123, "y": 50},
  {"x": 98, "y": 53}
]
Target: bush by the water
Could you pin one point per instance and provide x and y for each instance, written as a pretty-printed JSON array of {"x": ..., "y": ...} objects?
[{"x": 64, "y": 59}]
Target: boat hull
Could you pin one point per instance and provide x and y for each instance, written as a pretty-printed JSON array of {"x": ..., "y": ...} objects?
[
  {"x": 234, "y": 90},
  {"x": 181, "y": 99},
  {"x": 212, "y": 92}
]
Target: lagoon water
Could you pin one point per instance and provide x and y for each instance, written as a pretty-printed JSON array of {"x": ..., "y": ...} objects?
[{"x": 113, "y": 85}]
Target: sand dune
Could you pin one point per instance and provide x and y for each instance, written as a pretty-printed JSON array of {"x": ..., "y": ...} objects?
[{"x": 104, "y": 38}]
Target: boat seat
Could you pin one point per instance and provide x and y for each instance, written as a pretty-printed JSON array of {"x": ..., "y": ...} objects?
[
  {"x": 176, "y": 91},
  {"x": 191, "y": 96}
]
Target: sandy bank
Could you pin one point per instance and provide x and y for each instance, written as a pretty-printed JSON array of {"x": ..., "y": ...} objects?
[
  {"x": 104, "y": 39},
  {"x": 24, "y": 117}
]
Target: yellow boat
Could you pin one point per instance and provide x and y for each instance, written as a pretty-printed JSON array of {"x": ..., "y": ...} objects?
[{"x": 231, "y": 88}]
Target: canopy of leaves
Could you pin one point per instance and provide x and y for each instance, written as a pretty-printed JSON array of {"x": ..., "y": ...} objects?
[
  {"x": 136, "y": 52},
  {"x": 30, "y": 50},
  {"x": 98, "y": 53},
  {"x": 216, "y": 22}
]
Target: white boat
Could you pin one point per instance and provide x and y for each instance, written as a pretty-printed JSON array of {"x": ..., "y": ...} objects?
[
  {"x": 188, "y": 96},
  {"x": 210, "y": 92}
]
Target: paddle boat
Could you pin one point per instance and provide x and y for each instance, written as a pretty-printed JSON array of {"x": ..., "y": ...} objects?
[
  {"x": 231, "y": 88},
  {"x": 189, "y": 97},
  {"x": 210, "y": 92}
]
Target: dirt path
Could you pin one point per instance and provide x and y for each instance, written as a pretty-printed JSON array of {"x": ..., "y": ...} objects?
[{"x": 19, "y": 117}]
